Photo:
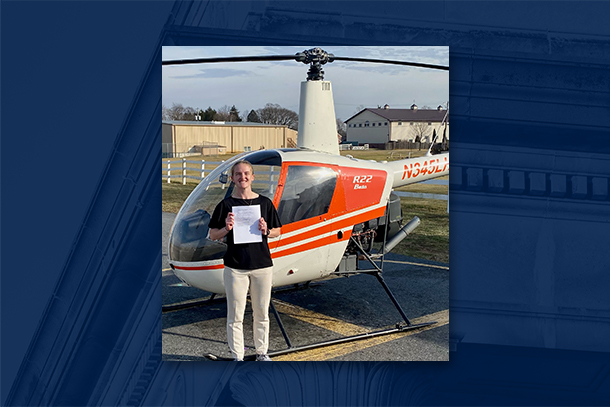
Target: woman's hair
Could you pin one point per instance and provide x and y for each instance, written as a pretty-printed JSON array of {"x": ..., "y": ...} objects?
[{"x": 242, "y": 162}]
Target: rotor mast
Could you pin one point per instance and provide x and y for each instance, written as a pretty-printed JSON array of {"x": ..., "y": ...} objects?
[{"x": 317, "y": 122}]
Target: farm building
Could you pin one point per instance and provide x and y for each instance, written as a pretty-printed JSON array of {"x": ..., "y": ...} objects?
[
  {"x": 182, "y": 138},
  {"x": 383, "y": 125}
]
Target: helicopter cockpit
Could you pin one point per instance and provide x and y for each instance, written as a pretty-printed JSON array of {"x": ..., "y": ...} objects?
[{"x": 189, "y": 240}]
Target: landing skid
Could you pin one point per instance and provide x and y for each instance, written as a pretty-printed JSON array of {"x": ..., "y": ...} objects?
[{"x": 292, "y": 349}]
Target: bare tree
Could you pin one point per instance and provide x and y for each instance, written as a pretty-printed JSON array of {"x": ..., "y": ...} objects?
[
  {"x": 189, "y": 114},
  {"x": 223, "y": 114},
  {"x": 176, "y": 112},
  {"x": 341, "y": 129},
  {"x": 275, "y": 114},
  {"x": 164, "y": 113},
  {"x": 420, "y": 131}
]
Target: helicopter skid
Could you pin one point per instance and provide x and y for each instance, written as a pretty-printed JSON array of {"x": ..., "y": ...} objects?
[{"x": 368, "y": 335}]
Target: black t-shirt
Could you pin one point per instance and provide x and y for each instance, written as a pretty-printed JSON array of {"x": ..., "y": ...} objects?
[{"x": 246, "y": 256}]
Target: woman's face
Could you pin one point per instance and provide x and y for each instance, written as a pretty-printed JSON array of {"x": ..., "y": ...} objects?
[{"x": 242, "y": 176}]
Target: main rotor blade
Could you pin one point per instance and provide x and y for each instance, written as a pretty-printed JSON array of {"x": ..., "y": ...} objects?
[
  {"x": 296, "y": 58},
  {"x": 231, "y": 59},
  {"x": 385, "y": 61}
]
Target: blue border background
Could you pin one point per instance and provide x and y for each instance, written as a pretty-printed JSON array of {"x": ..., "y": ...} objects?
[{"x": 81, "y": 96}]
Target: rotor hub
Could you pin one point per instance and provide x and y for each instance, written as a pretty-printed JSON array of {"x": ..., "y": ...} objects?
[{"x": 315, "y": 57}]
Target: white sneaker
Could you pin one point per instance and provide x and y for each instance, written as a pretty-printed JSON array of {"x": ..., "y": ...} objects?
[{"x": 263, "y": 358}]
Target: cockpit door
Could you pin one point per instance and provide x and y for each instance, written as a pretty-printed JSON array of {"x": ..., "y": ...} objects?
[{"x": 304, "y": 200}]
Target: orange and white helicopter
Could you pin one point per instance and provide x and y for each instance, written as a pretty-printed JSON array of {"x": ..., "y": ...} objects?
[{"x": 332, "y": 207}]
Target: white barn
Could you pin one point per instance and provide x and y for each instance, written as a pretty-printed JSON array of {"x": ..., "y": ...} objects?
[{"x": 380, "y": 126}]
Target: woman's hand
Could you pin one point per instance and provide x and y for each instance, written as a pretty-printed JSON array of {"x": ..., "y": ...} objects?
[
  {"x": 230, "y": 221},
  {"x": 262, "y": 226}
]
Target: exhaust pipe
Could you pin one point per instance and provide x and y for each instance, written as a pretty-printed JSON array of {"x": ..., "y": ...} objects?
[{"x": 402, "y": 233}]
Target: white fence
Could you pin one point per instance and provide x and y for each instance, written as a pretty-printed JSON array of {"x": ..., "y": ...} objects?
[
  {"x": 179, "y": 150},
  {"x": 180, "y": 169},
  {"x": 184, "y": 171},
  {"x": 347, "y": 146}
]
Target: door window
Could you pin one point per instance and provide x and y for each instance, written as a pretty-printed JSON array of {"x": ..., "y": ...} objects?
[{"x": 308, "y": 191}]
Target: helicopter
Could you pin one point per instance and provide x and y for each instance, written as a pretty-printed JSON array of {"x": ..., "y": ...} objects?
[{"x": 333, "y": 208}]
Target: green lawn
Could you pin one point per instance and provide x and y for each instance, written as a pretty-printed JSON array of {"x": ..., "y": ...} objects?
[
  {"x": 431, "y": 239},
  {"x": 174, "y": 195}
]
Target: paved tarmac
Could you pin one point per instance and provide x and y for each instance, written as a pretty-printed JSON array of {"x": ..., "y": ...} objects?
[{"x": 326, "y": 310}]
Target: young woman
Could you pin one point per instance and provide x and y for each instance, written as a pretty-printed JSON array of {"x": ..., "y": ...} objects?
[{"x": 247, "y": 265}]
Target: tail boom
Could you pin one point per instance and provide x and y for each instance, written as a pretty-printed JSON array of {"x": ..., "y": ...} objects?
[{"x": 413, "y": 170}]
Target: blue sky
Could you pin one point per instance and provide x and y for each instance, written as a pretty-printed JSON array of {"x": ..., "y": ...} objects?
[{"x": 250, "y": 85}]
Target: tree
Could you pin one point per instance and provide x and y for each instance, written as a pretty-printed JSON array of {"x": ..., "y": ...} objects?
[
  {"x": 176, "y": 112},
  {"x": 208, "y": 115},
  {"x": 276, "y": 114},
  {"x": 222, "y": 114},
  {"x": 253, "y": 117},
  {"x": 420, "y": 130},
  {"x": 179, "y": 112},
  {"x": 164, "y": 113},
  {"x": 341, "y": 129},
  {"x": 234, "y": 114},
  {"x": 189, "y": 114}
]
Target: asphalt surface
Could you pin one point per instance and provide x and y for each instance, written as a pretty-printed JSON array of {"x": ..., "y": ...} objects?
[{"x": 325, "y": 310}]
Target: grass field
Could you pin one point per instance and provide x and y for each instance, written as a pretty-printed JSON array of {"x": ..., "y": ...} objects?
[{"x": 429, "y": 241}]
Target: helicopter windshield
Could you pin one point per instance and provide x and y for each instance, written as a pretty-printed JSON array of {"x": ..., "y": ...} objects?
[{"x": 189, "y": 239}]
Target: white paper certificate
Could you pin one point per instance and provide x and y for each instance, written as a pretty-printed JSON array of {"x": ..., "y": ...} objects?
[{"x": 245, "y": 229}]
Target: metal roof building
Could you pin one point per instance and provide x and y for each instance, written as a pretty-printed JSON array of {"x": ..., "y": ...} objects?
[{"x": 183, "y": 138}]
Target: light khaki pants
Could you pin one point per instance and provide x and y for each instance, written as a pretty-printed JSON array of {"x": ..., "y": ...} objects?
[{"x": 237, "y": 283}]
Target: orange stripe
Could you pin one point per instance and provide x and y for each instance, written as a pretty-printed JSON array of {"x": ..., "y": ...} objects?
[
  {"x": 342, "y": 224},
  {"x": 212, "y": 267},
  {"x": 311, "y": 245},
  {"x": 303, "y": 236},
  {"x": 291, "y": 227}
]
